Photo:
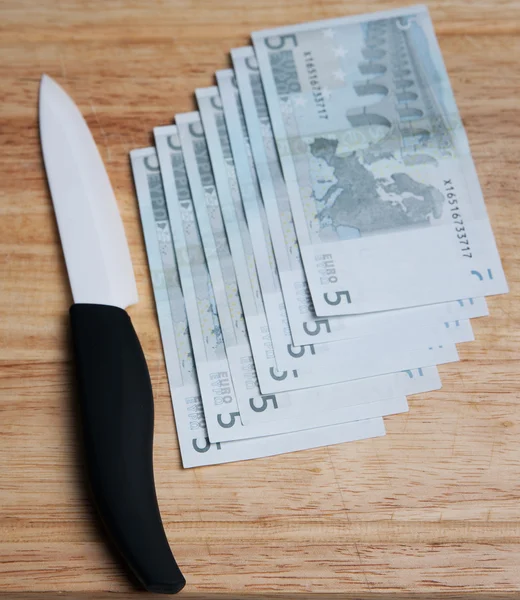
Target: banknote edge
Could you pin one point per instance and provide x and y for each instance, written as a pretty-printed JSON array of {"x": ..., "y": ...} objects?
[{"x": 256, "y": 36}]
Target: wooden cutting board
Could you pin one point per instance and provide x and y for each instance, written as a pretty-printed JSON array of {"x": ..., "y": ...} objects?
[{"x": 433, "y": 506}]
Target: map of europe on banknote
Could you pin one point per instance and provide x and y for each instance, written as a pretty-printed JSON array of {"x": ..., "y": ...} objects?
[{"x": 384, "y": 194}]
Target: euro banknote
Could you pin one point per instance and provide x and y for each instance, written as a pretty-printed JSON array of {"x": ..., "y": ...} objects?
[
  {"x": 196, "y": 449},
  {"x": 305, "y": 326},
  {"x": 305, "y": 366},
  {"x": 384, "y": 194},
  {"x": 194, "y": 274},
  {"x": 233, "y": 404}
]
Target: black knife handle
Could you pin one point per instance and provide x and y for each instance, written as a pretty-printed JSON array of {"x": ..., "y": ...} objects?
[{"x": 116, "y": 406}]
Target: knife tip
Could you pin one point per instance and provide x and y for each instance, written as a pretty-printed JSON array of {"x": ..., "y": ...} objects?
[
  {"x": 46, "y": 81},
  {"x": 51, "y": 93}
]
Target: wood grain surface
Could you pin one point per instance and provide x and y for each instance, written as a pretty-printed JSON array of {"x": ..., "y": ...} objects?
[{"x": 431, "y": 508}]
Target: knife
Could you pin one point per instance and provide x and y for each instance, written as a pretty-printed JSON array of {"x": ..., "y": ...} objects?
[{"x": 115, "y": 393}]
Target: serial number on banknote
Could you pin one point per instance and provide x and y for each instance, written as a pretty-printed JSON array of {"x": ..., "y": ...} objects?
[
  {"x": 456, "y": 217},
  {"x": 315, "y": 84}
]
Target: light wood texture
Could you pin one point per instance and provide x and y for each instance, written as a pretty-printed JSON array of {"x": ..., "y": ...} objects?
[{"x": 432, "y": 507}]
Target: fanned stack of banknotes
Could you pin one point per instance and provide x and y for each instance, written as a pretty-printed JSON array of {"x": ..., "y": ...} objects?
[{"x": 317, "y": 237}]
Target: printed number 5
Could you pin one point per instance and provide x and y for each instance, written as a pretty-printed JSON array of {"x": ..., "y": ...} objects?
[
  {"x": 271, "y": 397},
  {"x": 232, "y": 420},
  {"x": 337, "y": 299},
  {"x": 278, "y": 46},
  {"x": 206, "y": 447},
  {"x": 299, "y": 353},
  {"x": 318, "y": 323}
]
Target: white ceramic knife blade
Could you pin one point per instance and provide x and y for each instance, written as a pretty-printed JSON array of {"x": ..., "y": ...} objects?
[{"x": 91, "y": 231}]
